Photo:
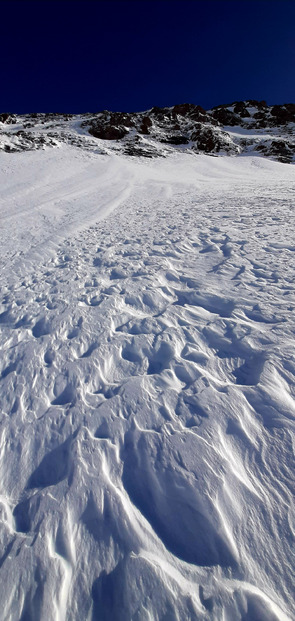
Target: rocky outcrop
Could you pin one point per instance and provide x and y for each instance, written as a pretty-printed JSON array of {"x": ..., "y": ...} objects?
[
  {"x": 281, "y": 150},
  {"x": 145, "y": 126},
  {"x": 110, "y": 126},
  {"x": 210, "y": 140},
  {"x": 283, "y": 114},
  {"x": 7, "y": 118},
  {"x": 181, "y": 125},
  {"x": 240, "y": 127},
  {"x": 110, "y": 132},
  {"x": 191, "y": 111},
  {"x": 226, "y": 117},
  {"x": 176, "y": 140}
]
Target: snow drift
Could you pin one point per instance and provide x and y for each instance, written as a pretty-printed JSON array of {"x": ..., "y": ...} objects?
[{"x": 147, "y": 386}]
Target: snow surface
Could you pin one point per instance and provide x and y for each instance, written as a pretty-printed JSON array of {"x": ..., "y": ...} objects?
[{"x": 147, "y": 387}]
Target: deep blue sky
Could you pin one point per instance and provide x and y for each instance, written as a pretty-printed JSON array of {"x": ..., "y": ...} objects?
[{"x": 73, "y": 56}]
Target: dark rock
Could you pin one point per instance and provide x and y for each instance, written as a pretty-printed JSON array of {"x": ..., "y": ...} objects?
[
  {"x": 110, "y": 125},
  {"x": 145, "y": 125},
  {"x": 156, "y": 111},
  {"x": 261, "y": 147},
  {"x": 107, "y": 132},
  {"x": 122, "y": 119},
  {"x": 206, "y": 140},
  {"x": 279, "y": 149},
  {"x": 256, "y": 104},
  {"x": 241, "y": 109},
  {"x": 183, "y": 109},
  {"x": 135, "y": 150},
  {"x": 290, "y": 107},
  {"x": 7, "y": 118},
  {"x": 176, "y": 140},
  {"x": 259, "y": 115},
  {"x": 199, "y": 114},
  {"x": 283, "y": 114},
  {"x": 190, "y": 111},
  {"x": 282, "y": 150},
  {"x": 226, "y": 117}
]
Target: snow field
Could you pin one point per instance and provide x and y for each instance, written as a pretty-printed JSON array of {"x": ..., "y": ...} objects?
[{"x": 147, "y": 388}]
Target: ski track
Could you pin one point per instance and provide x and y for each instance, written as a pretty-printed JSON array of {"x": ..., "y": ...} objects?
[{"x": 147, "y": 389}]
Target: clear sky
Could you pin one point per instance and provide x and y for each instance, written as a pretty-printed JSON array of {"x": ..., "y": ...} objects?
[{"x": 74, "y": 56}]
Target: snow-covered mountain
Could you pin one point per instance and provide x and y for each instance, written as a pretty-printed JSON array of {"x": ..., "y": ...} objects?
[
  {"x": 239, "y": 128},
  {"x": 147, "y": 401}
]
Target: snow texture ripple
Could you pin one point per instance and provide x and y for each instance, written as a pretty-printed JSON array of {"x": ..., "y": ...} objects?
[{"x": 147, "y": 387}]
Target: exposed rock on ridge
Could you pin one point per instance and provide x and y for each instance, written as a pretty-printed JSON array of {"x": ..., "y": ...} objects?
[{"x": 238, "y": 128}]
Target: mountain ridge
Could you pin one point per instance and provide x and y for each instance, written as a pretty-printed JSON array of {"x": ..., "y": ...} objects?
[{"x": 242, "y": 127}]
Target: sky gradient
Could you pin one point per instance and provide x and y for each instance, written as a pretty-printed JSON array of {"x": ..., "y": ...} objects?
[{"x": 73, "y": 56}]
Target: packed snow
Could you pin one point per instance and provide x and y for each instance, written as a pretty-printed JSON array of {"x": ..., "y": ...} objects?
[{"x": 147, "y": 387}]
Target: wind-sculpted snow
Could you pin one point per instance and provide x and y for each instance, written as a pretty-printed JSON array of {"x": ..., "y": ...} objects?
[{"x": 147, "y": 388}]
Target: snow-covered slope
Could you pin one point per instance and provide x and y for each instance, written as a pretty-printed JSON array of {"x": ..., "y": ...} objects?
[{"x": 147, "y": 385}]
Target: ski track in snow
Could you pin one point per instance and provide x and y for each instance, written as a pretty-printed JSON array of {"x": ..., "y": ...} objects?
[{"x": 147, "y": 388}]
